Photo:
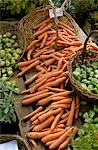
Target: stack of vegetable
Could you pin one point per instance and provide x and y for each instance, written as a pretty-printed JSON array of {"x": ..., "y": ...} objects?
[
  {"x": 87, "y": 76},
  {"x": 10, "y": 53},
  {"x": 49, "y": 96}
]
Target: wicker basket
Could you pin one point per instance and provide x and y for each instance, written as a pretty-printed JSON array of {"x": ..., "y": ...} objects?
[
  {"x": 22, "y": 143},
  {"x": 37, "y": 16},
  {"x": 83, "y": 58},
  {"x": 9, "y": 27}
]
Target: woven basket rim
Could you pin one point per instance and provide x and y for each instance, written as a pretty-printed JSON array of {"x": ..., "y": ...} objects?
[
  {"x": 14, "y": 137},
  {"x": 73, "y": 80}
]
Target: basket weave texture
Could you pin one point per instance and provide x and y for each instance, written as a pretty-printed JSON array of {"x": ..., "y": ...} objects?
[
  {"x": 35, "y": 17},
  {"x": 22, "y": 143},
  {"x": 85, "y": 57}
]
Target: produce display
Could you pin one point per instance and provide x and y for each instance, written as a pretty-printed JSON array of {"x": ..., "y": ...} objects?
[
  {"x": 10, "y": 54},
  {"x": 56, "y": 106},
  {"x": 87, "y": 76},
  {"x": 7, "y": 110}
]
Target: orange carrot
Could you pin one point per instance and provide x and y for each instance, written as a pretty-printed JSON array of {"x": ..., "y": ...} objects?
[
  {"x": 28, "y": 68},
  {"x": 26, "y": 63},
  {"x": 37, "y": 33},
  {"x": 29, "y": 54},
  {"x": 60, "y": 63},
  {"x": 65, "y": 93},
  {"x": 44, "y": 57},
  {"x": 35, "y": 98},
  {"x": 60, "y": 139},
  {"x": 28, "y": 81},
  {"x": 44, "y": 41},
  {"x": 37, "y": 135},
  {"x": 58, "y": 98},
  {"x": 44, "y": 101},
  {"x": 48, "y": 114},
  {"x": 48, "y": 20},
  {"x": 66, "y": 26},
  {"x": 64, "y": 101},
  {"x": 51, "y": 41},
  {"x": 60, "y": 126},
  {"x": 42, "y": 26},
  {"x": 41, "y": 69},
  {"x": 63, "y": 106},
  {"x": 36, "y": 93},
  {"x": 49, "y": 61},
  {"x": 51, "y": 136},
  {"x": 39, "y": 52},
  {"x": 50, "y": 142},
  {"x": 56, "y": 120},
  {"x": 33, "y": 113},
  {"x": 63, "y": 121},
  {"x": 55, "y": 89},
  {"x": 65, "y": 115},
  {"x": 31, "y": 45},
  {"x": 38, "y": 114},
  {"x": 44, "y": 124},
  {"x": 71, "y": 114}
]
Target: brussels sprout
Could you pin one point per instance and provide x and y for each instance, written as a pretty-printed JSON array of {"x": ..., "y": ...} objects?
[
  {"x": 8, "y": 56},
  {"x": 4, "y": 75},
  {"x": 2, "y": 53},
  {"x": 13, "y": 62},
  {"x": 8, "y": 34},
  {"x": 8, "y": 83},
  {"x": 96, "y": 108},
  {"x": 12, "y": 41},
  {"x": 4, "y": 78},
  {"x": 3, "y": 70},
  {"x": 96, "y": 120},
  {"x": 9, "y": 68},
  {"x": 4, "y": 36},
  {"x": 17, "y": 90},
  {"x": 15, "y": 45},
  {"x": 8, "y": 45},
  {"x": 17, "y": 57},
  {"x": 14, "y": 37},
  {"x": 2, "y": 63},
  {"x": 91, "y": 114},
  {"x": 19, "y": 51},
  {"x": 10, "y": 73},
  {"x": 7, "y": 62}
]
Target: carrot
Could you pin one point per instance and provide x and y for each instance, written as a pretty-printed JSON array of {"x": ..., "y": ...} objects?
[
  {"x": 55, "y": 89},
  {"x": 60, "y": 63},
  {"x": 28, "y": 81},
  {"x": 58, "y": 98},
  {"x": 77, "y": 106},
  {"x": 63, "y": 121},
  {"x": 65, "y": 115},
  {"x": 67, "y": 141},
  {"x": 26, "y": 63},
  {"x": 35, "y": 87},
  {"x": 33, "y": 113},
  {"x": 64, "y": 101},
  {"x": 49, "y": 61},
  {"x": 66, "y": 26},
  {"x": 48, "y": 114},
  {"x": 42, "y": 26},
  {"x": 41, "y": 69},
  {"x": 30, "y": 46},
  {"x": 63, "y": 106},
  {"x": 48, "y": 20},
  {"x": 51, "y": 79},
  {"x": 71, "y": 114},
  {"x": 51, "y": 136},
  {"x": 29, "y": 54},
  {"x": 28, "y": 68},
  {"x": 50, "y": 142},
  {"x": 37, "y": 93},
  {"x": 44, "y": 101},
  {"x": 60, "y": 139},
  {"x": 56, "y": 120},
  {"x": 51, "y": 41},
  {"x": 65, "y": 93},
  {"x": 44, "y": 41},
  {"x": 62, "y": 86},
  {"x": 44, "y": 57},
  {"x": 39, "y": 52},
  {"x": 35, "y": 98},
  {"x": 37, "y": 135},
  {"x": 60, "y": 126},
  {"x": 49, "y": 52},
  {"x": 44, "y": 124},
  {"x": 37, "y": 33},
  {"x": 38, "y": 114}
]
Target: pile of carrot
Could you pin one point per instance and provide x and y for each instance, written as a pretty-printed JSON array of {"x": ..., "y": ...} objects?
[
  {"x": 53, "y": 125},
  {"x": 56, "y": 107}
]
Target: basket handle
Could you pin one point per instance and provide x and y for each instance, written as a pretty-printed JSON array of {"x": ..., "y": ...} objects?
[{"x": 85, "y": 43}]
